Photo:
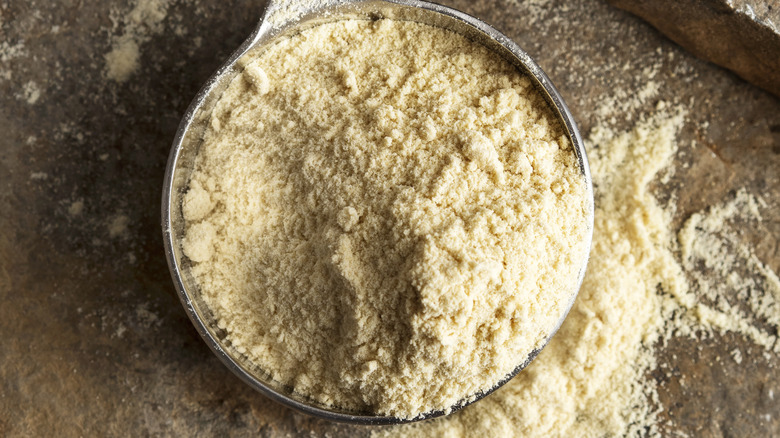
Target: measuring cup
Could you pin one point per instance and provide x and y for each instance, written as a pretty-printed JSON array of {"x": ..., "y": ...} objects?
[{"x": 281, "y": 19}]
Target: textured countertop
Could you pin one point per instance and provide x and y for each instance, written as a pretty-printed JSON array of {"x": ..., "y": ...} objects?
[{"x": 94, "y": 340}]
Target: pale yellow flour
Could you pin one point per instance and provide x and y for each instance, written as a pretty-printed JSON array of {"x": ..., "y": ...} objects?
[{"x": 385, "y": 216}]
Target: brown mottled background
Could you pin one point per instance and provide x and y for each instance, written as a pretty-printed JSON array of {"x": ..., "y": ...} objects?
[{"x": 93, "y": 340}]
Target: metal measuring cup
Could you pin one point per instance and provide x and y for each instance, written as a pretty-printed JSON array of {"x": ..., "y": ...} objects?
[{"x": 283, "y": 18}]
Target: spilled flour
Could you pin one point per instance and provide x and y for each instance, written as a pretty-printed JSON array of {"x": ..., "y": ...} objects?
[
  {"x": 738, "y": 291},
  {"x": 140, "y": 23},
  {"x": 590, "y": 380}
]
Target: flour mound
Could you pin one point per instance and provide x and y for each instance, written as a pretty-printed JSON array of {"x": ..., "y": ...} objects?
[{"x": 393, "y": 228}]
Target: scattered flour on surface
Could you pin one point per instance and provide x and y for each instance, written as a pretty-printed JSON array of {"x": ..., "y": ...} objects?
[
  {"x": 122, "y": 60},
  {"x": 623, "y": 101},
  {"x": 145, "y": 317},
  {"x": 117, "y": 226},
  {"x": 9, "y": 52},
  {"x": 139, "y": 25},
  {"x": 737, "y": 355},
  {"x": 739, "y": 292},
  {"x": 76, "y": 208},
  {"x": 30, "y": 92}
]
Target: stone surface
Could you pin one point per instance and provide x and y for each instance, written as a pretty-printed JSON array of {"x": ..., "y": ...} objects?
[
  {"x": 94, "y": 340},
  {"x": 741, "y": 35}
]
